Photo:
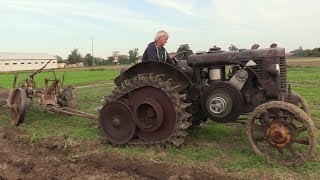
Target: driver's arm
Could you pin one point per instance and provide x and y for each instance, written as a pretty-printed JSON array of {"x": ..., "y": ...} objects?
[{"x": 169, "y": 60}]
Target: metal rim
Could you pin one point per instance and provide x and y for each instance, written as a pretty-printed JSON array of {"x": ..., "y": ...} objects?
[
  {"x": 117, "y": 123},
  {"x": 303, "y": 104},
  {"x": 219, "y": 104},
  {"x": 222, "y": 102},
  {"x": 166, "y": 105},
  {"x": 17, "y": 102},
  {"x": 148, "y": 115},
  {"x": 18, "y": 105},
  {"x": 282, "y": 132}
]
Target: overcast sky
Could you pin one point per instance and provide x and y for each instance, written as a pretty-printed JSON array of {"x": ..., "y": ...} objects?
[{"x": 59, "y": 26}]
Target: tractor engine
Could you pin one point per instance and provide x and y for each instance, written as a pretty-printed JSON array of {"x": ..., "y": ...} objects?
[{"x": 229, "y": 83}]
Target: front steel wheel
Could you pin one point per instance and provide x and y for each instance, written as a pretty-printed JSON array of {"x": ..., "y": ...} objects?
[{"x": 282, "y": 132}]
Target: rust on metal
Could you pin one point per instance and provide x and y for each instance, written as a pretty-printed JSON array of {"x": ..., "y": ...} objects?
[
  {"x": 117, "y": 122},
  {"x": 278, "y": 134}
]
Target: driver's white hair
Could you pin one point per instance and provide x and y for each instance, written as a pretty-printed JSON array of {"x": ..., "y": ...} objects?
[{"x": 160, "y": 34}]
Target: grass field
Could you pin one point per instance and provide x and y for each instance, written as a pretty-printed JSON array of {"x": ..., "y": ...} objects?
[
  {"x": 75, "y": 77},
  {"x": 222, "y": 147}
]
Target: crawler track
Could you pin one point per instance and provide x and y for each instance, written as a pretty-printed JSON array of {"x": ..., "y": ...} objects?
[{"x": 126, "y": 91}]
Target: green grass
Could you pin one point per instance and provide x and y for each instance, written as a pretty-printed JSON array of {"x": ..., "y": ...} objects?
[
  {"x": 222, "y": 147},
  {"x": 72, "y": 77}
]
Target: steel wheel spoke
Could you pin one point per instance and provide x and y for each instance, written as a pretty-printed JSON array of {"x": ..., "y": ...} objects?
[
  {"x": 258, "y": 127},
  {"x": 265, "y": 120},
  {"x": 260, "y": 139},
  {"x": 301, "y": 141},
  {"x": 281, "y": 153},
  {"x": 293, "y": 152},
  {"x": 300, "y": 130},
  {"x": 290, "y": 119},
  {"x": 268, "y": 149}
]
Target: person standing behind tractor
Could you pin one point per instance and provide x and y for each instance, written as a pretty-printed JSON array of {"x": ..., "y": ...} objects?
[{"x": 155, "y": 50}]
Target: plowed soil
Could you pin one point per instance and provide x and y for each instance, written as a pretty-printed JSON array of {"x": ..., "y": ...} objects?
[
  {"x": 304, "y": 64},
  {"x": 53, "y": 160}
]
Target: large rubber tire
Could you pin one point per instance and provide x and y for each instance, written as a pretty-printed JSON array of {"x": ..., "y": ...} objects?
[{"x": 226, "y": 94}]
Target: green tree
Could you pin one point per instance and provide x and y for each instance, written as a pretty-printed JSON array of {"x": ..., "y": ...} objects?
[
  {"x": 123, "y": 59},
  {"x": 232, "y": 47},
  {"x": 186, "y": 48},
  {"x": 74, "y": 57},
  {"x": 133, "y": 55},
  {"x": 88, "y": 59},
  {"x": 298, "y": 52},
  {"x": 59, "y": 59}
]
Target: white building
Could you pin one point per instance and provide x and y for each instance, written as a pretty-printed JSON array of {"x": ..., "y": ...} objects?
[{"x": 26, "y": 61}]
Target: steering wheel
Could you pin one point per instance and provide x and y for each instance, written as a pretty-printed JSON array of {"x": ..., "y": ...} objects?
[{"x": 174, "y": 57}]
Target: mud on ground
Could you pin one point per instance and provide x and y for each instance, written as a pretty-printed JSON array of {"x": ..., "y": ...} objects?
[{"x": 52, "y": 160}]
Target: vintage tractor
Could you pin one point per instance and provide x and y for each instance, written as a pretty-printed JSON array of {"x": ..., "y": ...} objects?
[{"x": 155, "y": 103}]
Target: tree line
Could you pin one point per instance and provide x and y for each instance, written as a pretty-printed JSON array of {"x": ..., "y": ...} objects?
[
  {"x": 315, "y": 52},
  {"x": 133, "y": 56},
  {"x": 88, "y": 60}
]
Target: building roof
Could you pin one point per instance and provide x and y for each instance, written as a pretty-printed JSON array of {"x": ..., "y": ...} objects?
[{"x": 24, "y": 56}]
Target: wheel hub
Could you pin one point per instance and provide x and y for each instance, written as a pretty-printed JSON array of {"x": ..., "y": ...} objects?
[
  {"x": 116, "y": 122},
  {"x": 217, "y": 105},
  {"x": 278, "y": 134},
  {"x": 154, "y": 112},
  {"x": 220, "y": 104},
  {"x": 148, "y": 115}
]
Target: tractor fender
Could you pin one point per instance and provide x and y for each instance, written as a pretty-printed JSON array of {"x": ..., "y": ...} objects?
[{"x": 155, "y": 67}]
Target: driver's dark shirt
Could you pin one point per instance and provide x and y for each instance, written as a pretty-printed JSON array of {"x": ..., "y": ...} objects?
[{"x": 151, "y": 54}]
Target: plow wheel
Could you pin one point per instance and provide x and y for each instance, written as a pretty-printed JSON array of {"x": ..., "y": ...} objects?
[
  {"x": 18, "y": 104},
  {"x": 67, "y": 98},
  {"x": 282, "y": 132},
  {"x": 158, "y": 108},
  {"x": 116, "y": 122}
]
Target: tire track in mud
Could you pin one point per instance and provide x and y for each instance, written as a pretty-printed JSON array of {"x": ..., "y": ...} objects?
[{"x": 52, "y": 159}]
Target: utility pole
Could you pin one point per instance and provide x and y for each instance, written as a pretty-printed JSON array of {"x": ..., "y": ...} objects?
[{"x": 92, "y": 51}]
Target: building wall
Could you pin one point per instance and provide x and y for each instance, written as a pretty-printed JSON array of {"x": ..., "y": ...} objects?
[{"x": 18, "y": 65}]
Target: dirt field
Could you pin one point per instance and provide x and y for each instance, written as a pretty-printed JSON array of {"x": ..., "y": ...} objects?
[
  {"x": 55, "y": 160},
  {"x": 304, "y": 64}
]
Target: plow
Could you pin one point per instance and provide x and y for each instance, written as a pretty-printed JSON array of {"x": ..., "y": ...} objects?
[
  {"x": 52, "y": 98},
  {"x": 157, "y": 103}
]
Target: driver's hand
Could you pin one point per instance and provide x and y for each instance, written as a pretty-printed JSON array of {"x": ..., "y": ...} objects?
[{"x": 172, "y": 62}]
